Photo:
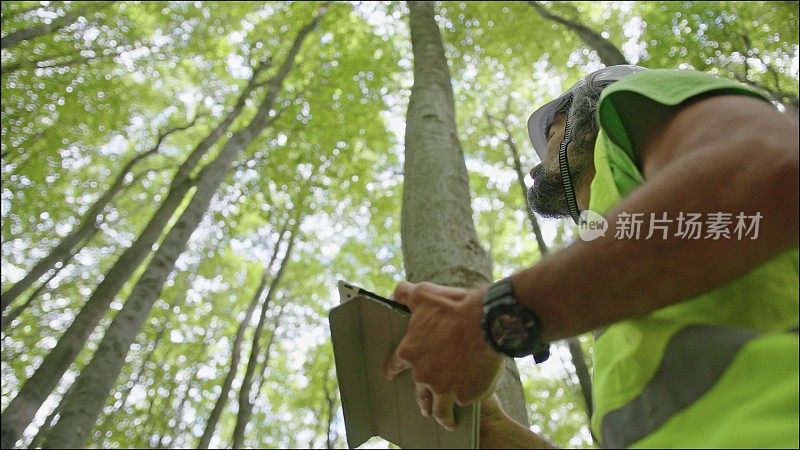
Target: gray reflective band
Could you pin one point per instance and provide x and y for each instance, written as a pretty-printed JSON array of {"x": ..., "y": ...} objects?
[{"x": 707, "y": 350}]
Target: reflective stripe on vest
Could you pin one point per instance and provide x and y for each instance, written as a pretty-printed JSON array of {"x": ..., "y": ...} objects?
[{"x": 706, "y": 350}]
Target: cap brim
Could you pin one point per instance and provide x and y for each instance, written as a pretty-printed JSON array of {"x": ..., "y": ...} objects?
[{"x": 540, "y": 120}]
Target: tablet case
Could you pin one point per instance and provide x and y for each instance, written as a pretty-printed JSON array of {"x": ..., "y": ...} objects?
[{"x": 365, "y": 330}]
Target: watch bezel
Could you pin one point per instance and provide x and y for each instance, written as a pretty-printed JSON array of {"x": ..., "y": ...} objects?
[
  {"x": 519, "y": 312},
  {"x": 499, "y": 298}
]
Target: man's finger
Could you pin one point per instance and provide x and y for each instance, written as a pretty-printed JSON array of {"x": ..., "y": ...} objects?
[
  {"x": 394, "y": 366},
  {"x": 402, "y": 293},
  {"x": 452, "y": 293},
  {"x": 408, "y": 293},
  {"x": 443, "y": 411},
  {"x": 424, "y": 399}
]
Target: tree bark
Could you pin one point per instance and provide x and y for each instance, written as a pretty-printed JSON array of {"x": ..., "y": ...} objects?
[
  {"x": 438, "y": 234},
  {"x": 87, "y": 227},
  {"x": 575, "y": 350},
  {"x": 606, "y": 50},
  {"x": 236, "y": 352},
  {"x": 21, "y": 410},
  {"x": 42, "y": 432},
  {"x": 245, "y": 403},
  {"x": 97, "y": 378}
]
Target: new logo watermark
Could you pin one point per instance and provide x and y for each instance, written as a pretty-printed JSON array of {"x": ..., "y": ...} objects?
[{"x": 591, "y": 225}]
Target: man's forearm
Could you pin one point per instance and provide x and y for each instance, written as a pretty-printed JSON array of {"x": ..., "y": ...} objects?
[{"x": 593, "y": 284}]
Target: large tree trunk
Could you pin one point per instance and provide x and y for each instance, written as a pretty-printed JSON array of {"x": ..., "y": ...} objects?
[
  {"x": 42, "y": 432},
  {"x": 236, "y": 352},
  {"x": 87, "y": 226},
  {"x": 97, "y": 378},
  {"x": 22, "y": 409},
  {"x": 245, "y": 402},
  {"x": 438, "y": 234},
  {"x": 575, "y": 350},
  {"x": 606, "y": 50}
]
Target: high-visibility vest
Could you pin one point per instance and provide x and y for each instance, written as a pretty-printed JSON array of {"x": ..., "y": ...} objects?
[{"x": 717, "y": 370}]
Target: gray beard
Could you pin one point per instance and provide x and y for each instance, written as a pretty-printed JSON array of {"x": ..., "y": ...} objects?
[{"x": 546, "y": 197}]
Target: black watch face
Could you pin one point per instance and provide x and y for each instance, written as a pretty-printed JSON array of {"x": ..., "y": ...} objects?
[{"x": 511, "y": 328}]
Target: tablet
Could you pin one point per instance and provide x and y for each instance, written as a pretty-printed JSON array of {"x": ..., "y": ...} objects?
[{"x": 365, "y": 330}]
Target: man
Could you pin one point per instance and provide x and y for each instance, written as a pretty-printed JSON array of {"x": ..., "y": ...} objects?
[{"x": 696, "y": 339}]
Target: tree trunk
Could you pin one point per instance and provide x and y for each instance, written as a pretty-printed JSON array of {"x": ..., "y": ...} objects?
[
  {"x": 606, "y": 50},
  {"x": 438, "y": 234},
  {"x": 14, "y": 313},
  {"x": 276, "y": 322},
  {"x": 15, "y": 38},
  {"x": 175, "y": 429},
  {"x": 97, "y": 378},
  {"x": 330, "y": 402},
  {"x": 236, "y": 352},
  {"x": 21, "y": 410},
  {"x": 575, "y": 351},
  {"x": 135, "y": 380},
  {"x": 245, "y": 403},
  {"x": 87, "y": 226},
  {"x": 48, "y": 424}
]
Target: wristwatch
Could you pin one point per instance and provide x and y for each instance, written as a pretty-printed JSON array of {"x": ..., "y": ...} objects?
[{"x": 509, "y": 327}]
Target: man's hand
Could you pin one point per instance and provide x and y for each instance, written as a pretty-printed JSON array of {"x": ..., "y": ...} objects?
[{"x": 444, "y": 348}]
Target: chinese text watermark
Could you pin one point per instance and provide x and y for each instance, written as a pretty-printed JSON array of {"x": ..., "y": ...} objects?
[{"x": 645, "y": 226}]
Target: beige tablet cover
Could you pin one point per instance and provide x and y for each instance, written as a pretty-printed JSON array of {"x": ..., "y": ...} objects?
[{"x": 365, "y": 329}]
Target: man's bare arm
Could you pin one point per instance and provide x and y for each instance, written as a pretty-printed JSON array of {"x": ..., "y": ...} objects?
[
  {"x": 722, "y": 154},
  {"x": 498, "y": 430}
]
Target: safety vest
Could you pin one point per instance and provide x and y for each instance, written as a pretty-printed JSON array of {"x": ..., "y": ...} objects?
[{"x": 717, "y": 370}]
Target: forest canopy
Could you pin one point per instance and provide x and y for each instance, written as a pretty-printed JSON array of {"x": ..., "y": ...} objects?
[{"x": 183, "y": 183}]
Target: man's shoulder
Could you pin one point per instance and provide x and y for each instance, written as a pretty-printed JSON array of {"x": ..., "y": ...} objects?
[{"x": 673, "y": 86}]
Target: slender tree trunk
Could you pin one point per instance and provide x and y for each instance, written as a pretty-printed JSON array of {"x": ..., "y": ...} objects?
[
  {"x": 87, "y": 226},
  {"x": 575, "y": 350},
  {"x": 151, "y": 424},
  {"x": 276, "y": 322},
  {"x": 606, "y": 50},
  {"x": 330, "y": 402},
  {"x": 438, "y": 235},
  {"x": 236, "y": 352},
  {"x": 20, "y": 411},
  {"x": 97, "y": 378},
  {"x": 135, "y": 380},
  {"x": 15, "y": 38},
  {"x": 14, "y": 313},
  {"x": 143, "y": 437},
  {"x": 245, "y": 403},
  {"x": 19, "y": 12},
  {"x": 175, "y": 429}
]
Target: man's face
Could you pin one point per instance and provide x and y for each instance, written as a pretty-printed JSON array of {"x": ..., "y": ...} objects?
[{"x": 546, "y": 197}]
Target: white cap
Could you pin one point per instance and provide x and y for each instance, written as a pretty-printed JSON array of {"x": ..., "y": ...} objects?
[{"x": 541, "y": 119}]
